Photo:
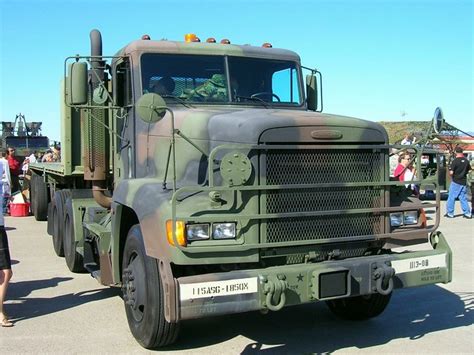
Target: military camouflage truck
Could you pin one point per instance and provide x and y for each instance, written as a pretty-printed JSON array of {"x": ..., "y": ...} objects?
[{"x": 203, "y": 179}]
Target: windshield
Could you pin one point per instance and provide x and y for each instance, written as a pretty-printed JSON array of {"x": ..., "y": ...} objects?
[{"x": 204, "y": 79}]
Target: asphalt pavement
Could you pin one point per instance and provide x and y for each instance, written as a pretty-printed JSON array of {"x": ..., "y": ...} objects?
[{"x": 56, "y": 311}]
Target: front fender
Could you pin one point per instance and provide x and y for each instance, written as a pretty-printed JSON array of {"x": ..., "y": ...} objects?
[{"x": 150, "y": 202}]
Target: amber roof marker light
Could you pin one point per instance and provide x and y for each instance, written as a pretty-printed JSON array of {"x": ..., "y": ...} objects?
[{"x": 191, "y": 37}]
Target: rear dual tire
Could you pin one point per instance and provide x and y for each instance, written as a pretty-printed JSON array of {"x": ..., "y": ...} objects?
[
  {"x": 59, "y": 201},
  {"x": 39, "y": 197},
  {"x": 74, "y": 260}
]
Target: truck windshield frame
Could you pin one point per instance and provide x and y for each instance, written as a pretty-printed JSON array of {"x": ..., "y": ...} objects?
[{"x": 212, "y": 79}]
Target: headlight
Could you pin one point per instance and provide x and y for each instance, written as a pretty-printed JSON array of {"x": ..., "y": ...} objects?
[
  {"x": 197, "y": 231},
  {"x": 398, "y": 219},
  {"x": 410, "y": 217},
  {"x": 223, "y": 231}
]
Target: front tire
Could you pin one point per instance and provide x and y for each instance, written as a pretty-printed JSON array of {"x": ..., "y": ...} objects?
[
  {"x": 143, "y": 295},
  {"x": 359, "y": 307}
]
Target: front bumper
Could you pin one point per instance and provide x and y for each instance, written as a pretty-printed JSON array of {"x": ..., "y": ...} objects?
[{"x": 275, "y": 287}]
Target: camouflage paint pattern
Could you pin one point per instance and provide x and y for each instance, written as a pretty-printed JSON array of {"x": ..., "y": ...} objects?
[{"x": 142, "y": 157}]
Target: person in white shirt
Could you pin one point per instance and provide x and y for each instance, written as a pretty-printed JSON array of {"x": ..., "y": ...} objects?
[
  {"x": 32, "y": 157},
  {"x": 408, "y": 140},
  {"x": 5, "y": 259},
  {"x": 6, "y": 183}
]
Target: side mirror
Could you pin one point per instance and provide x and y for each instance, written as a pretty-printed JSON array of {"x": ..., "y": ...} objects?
[
  {"x": 438, "y": 120},
  {"x": 77, "y": 84},
  {"x": 311, "y": 92},
  {"x": 151, "y": 107}
]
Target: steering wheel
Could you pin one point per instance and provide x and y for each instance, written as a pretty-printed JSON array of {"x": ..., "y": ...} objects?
[{"x": 265, "y": 93}]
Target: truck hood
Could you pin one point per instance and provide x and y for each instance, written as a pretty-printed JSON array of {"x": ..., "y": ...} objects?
[{"x": 252, "y": 126}]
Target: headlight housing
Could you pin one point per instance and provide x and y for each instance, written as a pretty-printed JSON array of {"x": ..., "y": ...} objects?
[
  {"x": 399, "y": 219},
  {"x": 197, "y": 232},
  {"x": 396, "y": 219},
  {"x": 410, "y": 217},
  {"x": 201, "y": 231},
  {"x": 223, "y": 231}
]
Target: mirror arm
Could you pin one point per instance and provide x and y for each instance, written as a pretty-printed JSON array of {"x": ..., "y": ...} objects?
[
  {"x": 172, "y": 150},
  {"x": 320, "y": 89},
  {"x": 181, "y": 134}
]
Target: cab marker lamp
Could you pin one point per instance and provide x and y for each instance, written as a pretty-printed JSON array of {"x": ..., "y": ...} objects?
[
  {"x": 191, "y": 37},
  {"x": 179, "y": 229},
  {"x": 223, "y": 231}
]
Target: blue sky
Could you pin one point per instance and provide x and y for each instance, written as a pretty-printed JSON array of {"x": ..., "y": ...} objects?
[{"x": 379, "y": 59}]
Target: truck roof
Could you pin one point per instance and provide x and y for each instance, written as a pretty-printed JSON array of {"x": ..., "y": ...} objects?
[{"x": 200, "y": 48}]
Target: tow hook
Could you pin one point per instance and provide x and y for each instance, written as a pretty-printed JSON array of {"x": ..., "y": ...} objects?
[
  {"x": 275, "y": 293},
  {"x": 383, "y": 276}
]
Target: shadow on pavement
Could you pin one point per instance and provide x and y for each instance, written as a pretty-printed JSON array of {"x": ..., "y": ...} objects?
[
  {"x": 411, "y": 314},
  {"x": 24, "y": 307}
]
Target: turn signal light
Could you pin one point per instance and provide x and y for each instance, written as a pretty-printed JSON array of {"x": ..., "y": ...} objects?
[
  {"x": 179, "y": 230},
  {"x": 423, "y": 219}
]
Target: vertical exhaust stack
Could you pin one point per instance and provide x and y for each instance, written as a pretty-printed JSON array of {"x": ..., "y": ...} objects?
[{"x": 96, "y": 137}]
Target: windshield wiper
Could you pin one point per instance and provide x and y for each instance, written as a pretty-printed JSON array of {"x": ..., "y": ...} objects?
[
  {"x": 258, "y": 99},
  {"x": 178, "y": 99}
]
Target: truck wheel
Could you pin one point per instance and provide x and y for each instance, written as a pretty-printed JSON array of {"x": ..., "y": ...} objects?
[
  {"x": 143, "y": 295},
  {"x": 49, "y": 224},
  {"x": 359, "y": 307},
  {"x": 57, "y": 237},
  {"x": 57, "y": 217},
  {"x": 33, "y": 192},
  {"x": 74, "y": 260},
  {"x": 40, "y": 199}
]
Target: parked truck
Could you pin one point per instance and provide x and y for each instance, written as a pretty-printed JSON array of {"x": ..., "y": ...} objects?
[{"x": 203, "y": 179}]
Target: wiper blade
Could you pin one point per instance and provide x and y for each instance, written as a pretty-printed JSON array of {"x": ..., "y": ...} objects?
[
  {"x": 258, "y": 99},
  {"x": 178, "y": 99}
]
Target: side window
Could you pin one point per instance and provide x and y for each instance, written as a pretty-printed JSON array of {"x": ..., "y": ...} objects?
[
  {"x": 122, "y": 84},
  {"x": 285, "y": 86}
]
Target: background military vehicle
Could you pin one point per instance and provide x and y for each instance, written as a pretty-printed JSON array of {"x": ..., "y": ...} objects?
[
  {"x": 204, "y": 179},
  {"x": 25, "y": 136}
]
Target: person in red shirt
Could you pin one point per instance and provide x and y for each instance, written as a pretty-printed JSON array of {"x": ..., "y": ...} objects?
[
  {"x": 404, "y": 171},
  {"x": 15, "y": 169}
]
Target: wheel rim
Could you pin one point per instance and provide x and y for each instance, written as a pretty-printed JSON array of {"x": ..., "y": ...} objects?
[{"x": 134, "y": 287}]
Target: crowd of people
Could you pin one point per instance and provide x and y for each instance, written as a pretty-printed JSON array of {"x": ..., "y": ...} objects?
[{"x": 460, "y": 171}]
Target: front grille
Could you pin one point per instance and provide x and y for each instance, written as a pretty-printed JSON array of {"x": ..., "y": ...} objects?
[{"x": 311, "y": 166}]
